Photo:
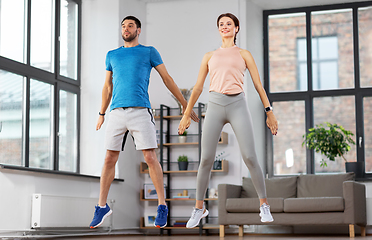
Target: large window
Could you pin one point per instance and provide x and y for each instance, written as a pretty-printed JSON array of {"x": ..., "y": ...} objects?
[
  {"x": 68, "y": 39},
  {"x": 42, "y": 34},
  {"x": 13, "y": 29},
  {"x": 39, "y": 84},
  {"x": 317, "y": 69},
  {"x": 11, "y": 118},
  {"x": 41, "y": 125},
  {"x": 365, "y": 45}
]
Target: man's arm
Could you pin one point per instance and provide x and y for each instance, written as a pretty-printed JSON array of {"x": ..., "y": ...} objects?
[
  {"x": 173, "y": 88},
  {"x": 106, "y": 98}
]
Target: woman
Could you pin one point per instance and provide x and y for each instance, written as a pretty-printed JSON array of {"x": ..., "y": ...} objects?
[{"x": 227, "y": 104}]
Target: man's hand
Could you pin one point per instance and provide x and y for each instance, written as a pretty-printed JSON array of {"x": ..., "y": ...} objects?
[{"x": 100, "y": 121}]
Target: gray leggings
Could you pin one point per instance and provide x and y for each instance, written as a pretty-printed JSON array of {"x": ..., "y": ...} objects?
[{"x": 224, "y": 109}]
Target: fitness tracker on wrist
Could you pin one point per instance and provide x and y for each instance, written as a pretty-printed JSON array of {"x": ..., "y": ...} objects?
[
  {"x": 101, "y": 114},
  {"x": 268, "y": 109}
]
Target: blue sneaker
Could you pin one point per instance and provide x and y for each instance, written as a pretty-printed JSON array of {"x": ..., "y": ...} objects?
[
  {"x": 100, "y": 215},
  {"x": 161, "y": 217}
]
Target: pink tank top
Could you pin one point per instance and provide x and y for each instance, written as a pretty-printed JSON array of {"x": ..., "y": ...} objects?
[{"x": 226, "y": 70}]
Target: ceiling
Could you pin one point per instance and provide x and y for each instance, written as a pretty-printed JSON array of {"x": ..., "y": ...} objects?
[{"x": 279, "y": 4}]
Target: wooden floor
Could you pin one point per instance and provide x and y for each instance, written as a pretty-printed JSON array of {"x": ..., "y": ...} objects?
[{"x": 228, "y": 237}]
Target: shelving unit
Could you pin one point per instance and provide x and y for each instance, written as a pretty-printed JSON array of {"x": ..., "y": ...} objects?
[{"x": 164, "y": 120}]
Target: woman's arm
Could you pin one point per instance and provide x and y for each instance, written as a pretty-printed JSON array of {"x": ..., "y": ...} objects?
[
  {"x": 271, "y": 121},
  {"x": 196, "y": 91}
]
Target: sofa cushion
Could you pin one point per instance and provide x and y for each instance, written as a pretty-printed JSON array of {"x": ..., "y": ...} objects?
[
  {"x": 320, "y": 204},
  {"x": 251, "y": 205},
  {"x": 283, "y": 187},
  {"x": 329, "y": 185},
  {"x": 248, "y": 190}
]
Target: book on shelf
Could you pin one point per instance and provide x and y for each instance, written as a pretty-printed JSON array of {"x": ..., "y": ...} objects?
[
  {"x": 181, "y": 221},
  {"x": 179, "y": 224},
  {"x": 181, "y": 197}
]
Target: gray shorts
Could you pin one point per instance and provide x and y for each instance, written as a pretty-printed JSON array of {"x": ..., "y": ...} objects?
[{"x": 138, "y": 122}]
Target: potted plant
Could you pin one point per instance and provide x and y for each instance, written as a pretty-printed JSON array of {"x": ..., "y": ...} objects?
[
  {"x": 182, "y": 138},
  {"x": 217, "y": 165},
  {"x": 186, "y": 94},
  {"x": 183, "y": 162},
  {"x": 332, "y": 141}
]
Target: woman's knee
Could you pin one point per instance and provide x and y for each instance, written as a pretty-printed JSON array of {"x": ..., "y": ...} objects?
[{"x": 250, "y": 161}]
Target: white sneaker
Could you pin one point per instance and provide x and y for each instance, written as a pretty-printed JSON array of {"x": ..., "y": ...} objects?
[
  {"x": 265, "y": 213},
  {"x": 196, "y": 216}
]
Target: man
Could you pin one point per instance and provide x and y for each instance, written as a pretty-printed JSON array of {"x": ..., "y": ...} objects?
[{"x": 127, "y": 78}]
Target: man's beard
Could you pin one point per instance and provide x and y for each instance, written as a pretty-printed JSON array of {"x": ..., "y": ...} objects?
[{"x": 130, "y": 37}]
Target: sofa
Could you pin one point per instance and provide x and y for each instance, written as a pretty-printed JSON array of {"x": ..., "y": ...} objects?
[{"x": 332, "y": 199}]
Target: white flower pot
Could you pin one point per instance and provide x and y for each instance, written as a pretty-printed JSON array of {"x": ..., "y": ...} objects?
[{"x": 182, "y": 139}]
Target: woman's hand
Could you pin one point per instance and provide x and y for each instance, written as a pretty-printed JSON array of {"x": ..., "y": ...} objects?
[
  {"x": 184, "y": 124},
  {"x": 194, "y": 116},
  {"x": 272, "y": 123}
]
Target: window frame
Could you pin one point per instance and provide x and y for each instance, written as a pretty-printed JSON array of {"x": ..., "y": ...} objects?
[
  {"x": 54, "y": 78},
  {"x": 310, "y": 94}
]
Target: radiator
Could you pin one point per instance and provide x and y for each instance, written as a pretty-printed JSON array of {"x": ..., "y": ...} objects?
[{"x": 65, "y": 212}]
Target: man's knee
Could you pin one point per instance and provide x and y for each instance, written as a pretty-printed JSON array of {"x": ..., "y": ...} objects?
[
  {"x": 111, "y": 157},
  {"x": 150, "y": 156}
]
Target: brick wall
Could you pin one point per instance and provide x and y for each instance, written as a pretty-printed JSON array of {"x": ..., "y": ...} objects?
[{"x": 283, "y": 35}]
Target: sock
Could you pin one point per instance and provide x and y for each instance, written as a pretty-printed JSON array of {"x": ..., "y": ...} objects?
[{"x": 103, "y": 206}]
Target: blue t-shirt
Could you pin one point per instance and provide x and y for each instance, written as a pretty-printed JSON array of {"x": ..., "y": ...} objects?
[{"x": 131, "y": 69}]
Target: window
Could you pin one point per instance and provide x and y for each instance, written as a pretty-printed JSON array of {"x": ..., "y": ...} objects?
[
  {"x": 42, "y": 34},
  {"x": 11, "y": 118},
  {"x": 325, "y": 63},
  {"x": 284, "y": 30},
  {"x": 13, "y": 36},
  {"x": 67, "y": 134},
  {"x": 68, "y": 39},
  {"x": 340, "y": 110},
  {"x": 41, "y": 125},
  {"x": 329, "y": 47},
  {"x": 289, "y": 156},
  {"x": 367, "y": 104},
  {"x": 39, "y": 84},
  {"x": 332, "y": 49},
  {"x": 365, "y": 45}
]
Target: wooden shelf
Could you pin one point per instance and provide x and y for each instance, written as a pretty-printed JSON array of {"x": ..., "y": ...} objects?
[
  {"x": 173, "y": 199},
  {"x": 180, "y": 144},
  {"x": 205, "y": 226},
  {"x": 224, "y": 139},
  {"x": 224, "y": 168},
  {"x": 174, "y": 116}
]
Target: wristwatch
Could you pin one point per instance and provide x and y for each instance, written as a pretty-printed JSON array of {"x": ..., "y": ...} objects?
[
  {"x": 268, "y": 109},
  {"x": 101, "y": 114}
]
